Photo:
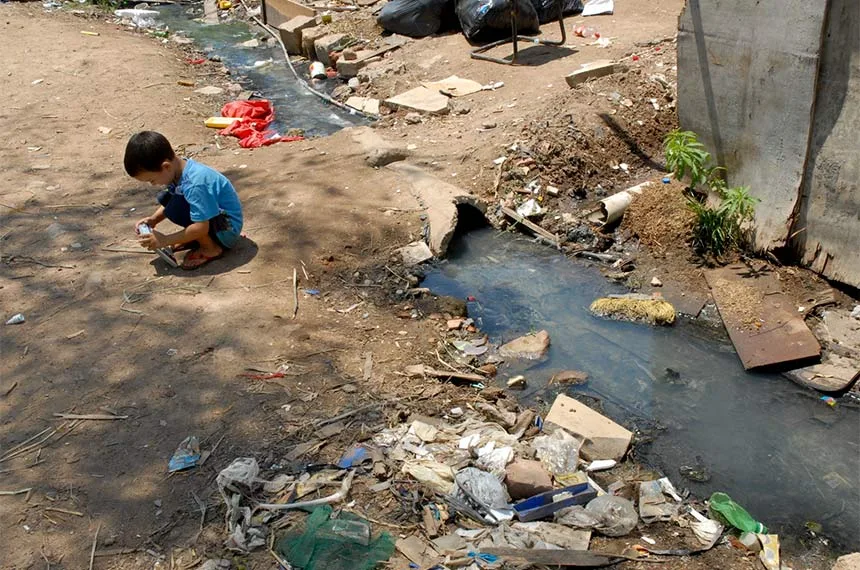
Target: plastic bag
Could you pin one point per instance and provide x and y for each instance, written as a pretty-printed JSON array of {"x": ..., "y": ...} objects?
[
  {"x": 486, "y": 19},
  {"x": 251, "y": 130},
  {"x": 607, "y": 514},
  {"x": 330, "y": 544},
  {"x": 547, "y": 10},
  {"x": 559, "y": 452},
  {"x": 416, "y": 18},
  {"x": 484, "y": 487}
]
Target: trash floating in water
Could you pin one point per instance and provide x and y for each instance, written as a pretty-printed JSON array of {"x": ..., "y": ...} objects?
[
  {"x": 729, "y": 513},
  {"x": 187, "y": 455},
  {"x": 16, "y": 319},
  {"x": 829, "y": 400},
  {"x": 635, "y": 307}
]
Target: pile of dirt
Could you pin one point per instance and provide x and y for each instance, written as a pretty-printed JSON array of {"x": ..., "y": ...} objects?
[{"x": 660, "y": 217}]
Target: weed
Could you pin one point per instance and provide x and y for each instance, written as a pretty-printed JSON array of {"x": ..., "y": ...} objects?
[
  {"x": 686, "y": 155},
  {"x": 718, "y": 229}
]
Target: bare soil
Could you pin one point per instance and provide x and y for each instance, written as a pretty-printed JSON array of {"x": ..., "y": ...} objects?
[{"x": 114, "y": 332}]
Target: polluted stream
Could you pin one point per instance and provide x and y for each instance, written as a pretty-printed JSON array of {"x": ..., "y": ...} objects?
[
  {"x": 790, "y": 459},
  {"x": 262, "y": 70}
]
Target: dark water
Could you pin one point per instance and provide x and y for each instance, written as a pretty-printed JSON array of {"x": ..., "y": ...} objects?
[
  {"x": 773, "y": 446},
  {"x": 295, "y": 106}
]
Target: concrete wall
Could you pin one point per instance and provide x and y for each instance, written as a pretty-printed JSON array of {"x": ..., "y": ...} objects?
[
  {"x": 828, "y": 220},
  {"x": 771, "y": 88}
]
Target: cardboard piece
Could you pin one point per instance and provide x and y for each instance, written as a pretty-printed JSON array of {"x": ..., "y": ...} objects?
[{"x": 604, "y": 439}]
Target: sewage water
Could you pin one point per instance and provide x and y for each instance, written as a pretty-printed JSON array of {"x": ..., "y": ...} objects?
[
  {"x": 770, "y": 444},
  {"x": 295, "y": 106}
]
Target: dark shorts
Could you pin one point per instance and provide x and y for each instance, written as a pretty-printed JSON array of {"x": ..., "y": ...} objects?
[{"x": 178, "y": 210}]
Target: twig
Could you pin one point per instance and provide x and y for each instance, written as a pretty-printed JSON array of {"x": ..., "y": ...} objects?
[
  {"x": 64, "y": 511},
  {"x": 128, "y": 250},
  {"x": 322, "y": 423},
  {"x": 396, "y": 275},
  {"x": 305, "y": 271},
  {"x": 23, "y": 443},
  {"x": 28, "y": 259},
  {"x": 20, "y": 451},
  {"x": 295, "y": 293},
  {"x": 90, "y": 417},
  {"x": 95, "y": 542},
  {"x": 18, "y": 492}
]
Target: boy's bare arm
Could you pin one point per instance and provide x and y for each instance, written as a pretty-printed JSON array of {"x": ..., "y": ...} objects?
[{"x": 193, "y": 232}]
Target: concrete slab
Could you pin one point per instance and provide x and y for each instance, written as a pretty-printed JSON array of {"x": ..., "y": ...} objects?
[
  {"x": 415, "y": 253},
  {"x": 604, "y": 439},
  {"x": 291, "y": 32},
  {"x": 762, "y": 322},
  {"x": 454, "y": 86},
  {"x": 364, "y": 104},
  {"x": 422, "y": 100},
  {"x": 277, "y": 12},
  {"x": 835, "y": 374},
  {"x": 593, "y": 70}
]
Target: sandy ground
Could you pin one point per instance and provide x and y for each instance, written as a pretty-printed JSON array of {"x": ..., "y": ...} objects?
[{"x": 112, "y": 332}]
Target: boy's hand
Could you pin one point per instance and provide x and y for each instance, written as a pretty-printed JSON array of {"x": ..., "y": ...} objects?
[
  {"x": 155, "y": 240},
  {"x": 148, "y": 221}
]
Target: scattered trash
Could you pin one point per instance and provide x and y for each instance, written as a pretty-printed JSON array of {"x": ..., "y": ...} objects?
[
  {"x": 729, "y": 513},
  {"x": 317, "y": 70},
  {"x": 607, "y": 514},
  {"x": 601, "y": 465},
  {"x": 653, "y": 506},
  {"x": 769, "y": 554},
  {"x": 559, "y": 451},
  {"x": 187, "y": 455},
  {"x": 603, "y": 437},
  {"x": 612, "y": 208},
  {"x": 655, "y": 282},
  {"x": 829, "y": 400},
  {"x": 357, "y": 455},
  {"x": 545, "y": 504},
  {"x": 141, "y": 19},
  {"x": 529, "y": 208},
  {"x": 598, "y": 7},
  {"x": 16, "y": 319}
]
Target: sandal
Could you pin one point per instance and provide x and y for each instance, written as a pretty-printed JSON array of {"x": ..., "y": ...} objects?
[
  {"x": 190, "y": 246},
  {"x": 194, "y": 259}
]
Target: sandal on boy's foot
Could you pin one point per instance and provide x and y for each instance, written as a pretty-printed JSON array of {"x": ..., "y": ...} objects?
[
  {"x": 190, "y": 246},
  {"x": 195, "y": 259},
  {"x": 167, "y": 255}
]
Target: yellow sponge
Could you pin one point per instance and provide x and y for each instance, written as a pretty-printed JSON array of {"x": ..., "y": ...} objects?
[{"x": 638, "y": 308}]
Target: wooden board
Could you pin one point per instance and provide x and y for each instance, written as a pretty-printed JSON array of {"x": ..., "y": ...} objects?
[{"x": 762, "y": 322}]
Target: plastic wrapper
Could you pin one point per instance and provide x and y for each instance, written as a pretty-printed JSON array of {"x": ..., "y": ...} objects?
[{"x": 607, "y": 514}]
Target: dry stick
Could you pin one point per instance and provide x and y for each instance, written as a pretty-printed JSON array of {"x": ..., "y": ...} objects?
[
  {"x": 128, "y": 250},
  {"x": 23, "y": 443},
  {"x": 64, "y": 511},
  {"x": 353, "y": 412},
  {"x": 95, "y": 542},
  {"x": 90, "y": 417},
  {"x": 29, "y": 448},
  {"x": 295, "y": 293},
  {"x": 18, "y": 492}
]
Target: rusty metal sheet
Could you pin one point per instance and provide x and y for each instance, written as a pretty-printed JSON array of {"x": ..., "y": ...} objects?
[
  {"x": 762, "y": 322},
  {"x": 685, "y": 302}
]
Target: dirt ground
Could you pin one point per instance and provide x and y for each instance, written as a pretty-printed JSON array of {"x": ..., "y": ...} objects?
[{"x": 108, "y": 331}]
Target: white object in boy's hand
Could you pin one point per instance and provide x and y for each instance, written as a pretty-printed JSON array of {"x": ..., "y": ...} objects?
[{"x": 144, "y": 230}]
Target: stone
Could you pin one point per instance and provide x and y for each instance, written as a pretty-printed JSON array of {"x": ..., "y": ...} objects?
[
  {"x": 209, "y": 90},
  {"x": 488, "y": 369},
  {"x": 529, "y": 347},
  {"x": 488, "y": 125},
  {"x": 278, "y": 12},
  {"x": 353, "y": 83},
  {"x": 412, "y": 118},
  {"x": 655, "y": 282},
  {"x": 415, "y": 253},
  {"x": 349, "y": 55},
  {"x": 422, "y": 100},
  {"x": 383, "y": 156},
  {"x": 848, "y": 562},
  {"x": 455, "y": 324},
  {"x": 367, "y": 105},
  {"x": 593, "y": 70},
  {"x": 573, "y": 377},
  {"x": 309, "y": 38},
  {"x": 325, "y": 45},
  {"x": 604, "y": 439},
  {"x": 292, "y": 30},
  {"x": 255, "y": 43},
  {"x": 351, "y": 67},
  {"x": 460, "y": 107},
  {"x": 341, "y": 92},
  {"x": 525, "y": 478}
]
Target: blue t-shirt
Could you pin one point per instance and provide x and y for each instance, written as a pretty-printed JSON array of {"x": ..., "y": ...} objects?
[{"x": 209, "y": 193}]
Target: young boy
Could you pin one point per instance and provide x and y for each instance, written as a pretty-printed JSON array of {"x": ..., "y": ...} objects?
[{"x": 199, "y": 199}]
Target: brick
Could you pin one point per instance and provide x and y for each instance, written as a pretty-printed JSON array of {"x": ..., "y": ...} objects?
[
  {"x": 309, "y": 38},
  {"x": 351, "y": 67},
  {"x": 291, "y": 32},
  {"x": 592, "y": 70},
  {"x": 277, "y": 12},
  {"x": 525, "y": 478},
  {"x": 327, "y": 44}
]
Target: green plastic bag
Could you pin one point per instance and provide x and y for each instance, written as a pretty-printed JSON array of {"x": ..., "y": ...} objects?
[
  {"x": 724, "y": 510},
  {"x": 334, "y": 544}
]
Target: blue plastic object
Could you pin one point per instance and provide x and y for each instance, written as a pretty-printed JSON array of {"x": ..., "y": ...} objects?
[
  {"x": 187, "y": 455},
  {"x": 666, "y": 180},
  {"x": 354, "y": 457},
  {"x": 542, "y": 505}
]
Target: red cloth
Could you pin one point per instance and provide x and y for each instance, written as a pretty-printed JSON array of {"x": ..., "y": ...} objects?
[{"x": 251, "y": 129}]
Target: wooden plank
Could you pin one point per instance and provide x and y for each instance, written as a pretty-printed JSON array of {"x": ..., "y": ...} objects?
[
  {"x": 576, "y": 558},
  {"x": 762, "y": 322},
  {"x": 552, "y": 238}
]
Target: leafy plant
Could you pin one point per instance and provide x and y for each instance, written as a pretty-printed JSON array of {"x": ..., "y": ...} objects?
[
  {"x": 718, "y": 229},
  {"x": 686, "y": 155}
]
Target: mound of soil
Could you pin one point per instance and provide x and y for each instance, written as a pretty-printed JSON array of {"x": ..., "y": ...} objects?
[{"x": 661, "y": 218}]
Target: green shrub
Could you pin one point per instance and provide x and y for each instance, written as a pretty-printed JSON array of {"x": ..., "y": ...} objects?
[
  {"x": 686, "y": 155},
  {"x": 718, "y": 229}
]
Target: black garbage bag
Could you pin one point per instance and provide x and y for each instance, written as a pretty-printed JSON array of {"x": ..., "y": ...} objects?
[
  {"x": 547, "y": 10},
  {"x": 416, "y": 18},
  {"x": 488, "y": 19}
]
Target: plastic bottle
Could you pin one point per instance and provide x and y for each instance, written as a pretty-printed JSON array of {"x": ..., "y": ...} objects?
[{"x": 729, "y": 513}]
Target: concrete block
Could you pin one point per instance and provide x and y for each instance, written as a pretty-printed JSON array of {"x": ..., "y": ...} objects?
[
  {"x": 592, "y": 70},
  {"x": 604, "y": 439},
  {"x": 848, "y": 562},
  {"x": 291, "y": 33},
  {"x": 351, "y": 67},
  {"x": 309, "y": 38},
  {"x": 327, "y": 44},
  {"x": 277, "y": 12},
  {"x": 526, "y": 478},
  {"x": 364, "y": 104},
  {"x": 422, "y": 100}
]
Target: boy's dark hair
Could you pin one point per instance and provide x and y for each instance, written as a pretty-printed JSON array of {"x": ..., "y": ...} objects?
[{"x": 146, "y": 152}]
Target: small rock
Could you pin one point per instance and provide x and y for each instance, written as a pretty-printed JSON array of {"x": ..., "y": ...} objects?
[
  {"x": 488, "y": 125},
  {"x": 109, "y": 540},
  {"x": 529, "y": 347},
  {"x": 412, "y": 118},
  {"x": 415, "y": 253},
  {"x": 354, "y": 83},
  {"x": 455, "y": 324},
  {"x": 209, "y": 90},
  {"x": 295, "y": 133},
  {"x": 349, "y": 54},
  {"x": 574, "y": 377},
  {"x": 517, "y": 382},
  {"x": 105, "y": 130},
  {"x": 216, "y": 564},
  {"x": 157, "y": 503},
  {"x": 349, "y": 388},
  {"x": 655, "y": 282},
  {"x": 525, "y": 478},
  {"x": 380, "y": 157},
  {"x": 488, "y": 369},
  {"x": 341, "y": 92},
  {"x": 255, "y": 43},
  {"x": 459, "y": 107},
  {"x": 77, "y": 245}
]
